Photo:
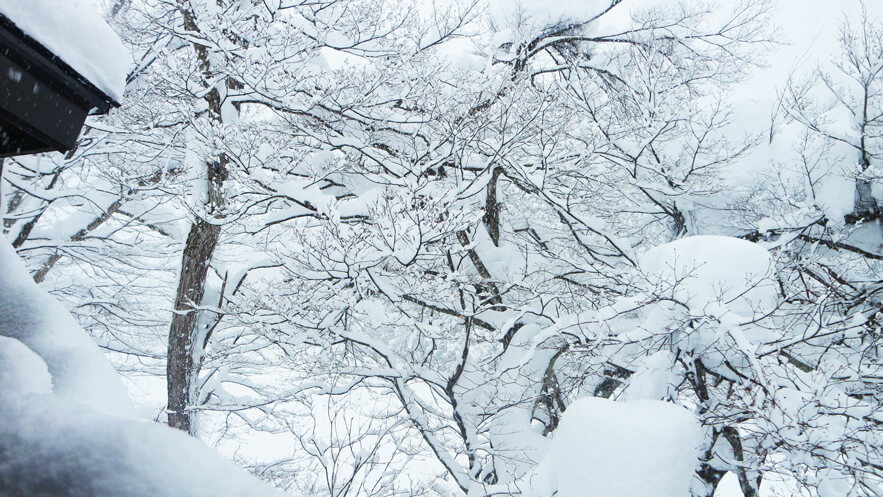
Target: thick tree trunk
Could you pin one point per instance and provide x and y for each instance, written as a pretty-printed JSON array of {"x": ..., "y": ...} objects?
[
  {"x": 492, "y": 207},
  {"x": 865, "y": 204},
  {"x": 184, "y": 344},
  {"x": 186, "y": 340}
]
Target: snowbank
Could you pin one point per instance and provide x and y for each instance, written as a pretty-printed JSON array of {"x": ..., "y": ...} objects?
[
  {"x": 79, "y": 371},
  {"x": 713, "y": 272},
  {"x": 52, "y": 447},
  {"x": 23, "y": 371},
  {"x": 621, "y": 449},
  {"x": 67, "y": 430},
  {"x": 74, "y": 31}
]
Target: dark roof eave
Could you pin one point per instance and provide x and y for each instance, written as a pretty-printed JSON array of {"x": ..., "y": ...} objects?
[{"x": 51, "y": 69}]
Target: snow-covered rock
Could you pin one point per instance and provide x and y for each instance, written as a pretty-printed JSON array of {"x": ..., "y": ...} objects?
[
  {"x": 76, "y": 32},
  {"x": 605, "y": 448}
]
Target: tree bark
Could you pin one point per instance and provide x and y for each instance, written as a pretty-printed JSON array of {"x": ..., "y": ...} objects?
[
  {"x": 184, "y": 344},
  {"x": 492, "y": 207},
  {"x": 865, "y": 203}
]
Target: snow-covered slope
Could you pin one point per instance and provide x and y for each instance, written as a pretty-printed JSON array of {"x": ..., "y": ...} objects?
[
  {"x": 67, "y": 427},
  {"x": 54, "y": 447},
  {"x": 79, "y": 371}
]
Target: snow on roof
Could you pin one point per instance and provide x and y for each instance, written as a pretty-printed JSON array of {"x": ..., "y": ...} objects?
[{"x": 78, "y": 34}]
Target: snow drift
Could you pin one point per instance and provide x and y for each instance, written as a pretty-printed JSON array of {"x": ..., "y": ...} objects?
[{"x": 67, "y": 425}]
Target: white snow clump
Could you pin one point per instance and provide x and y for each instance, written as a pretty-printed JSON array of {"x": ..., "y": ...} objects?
[{"x": 604, "y": 448}]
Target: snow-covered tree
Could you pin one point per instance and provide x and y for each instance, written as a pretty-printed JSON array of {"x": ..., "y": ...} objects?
[
  {"x": 401, "y": 241},
  {"x": 462, "y": 212}
]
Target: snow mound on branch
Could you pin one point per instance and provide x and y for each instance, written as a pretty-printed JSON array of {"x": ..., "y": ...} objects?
[
  {"x": 653, "y": 379},
  {"x": 76, "y": 32},
  {"x": 23, "y": 371},
  {"x": 713, "y": 274},
  {"x": 604, "y": 448},
  {"x": 78, "y": 369}
]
